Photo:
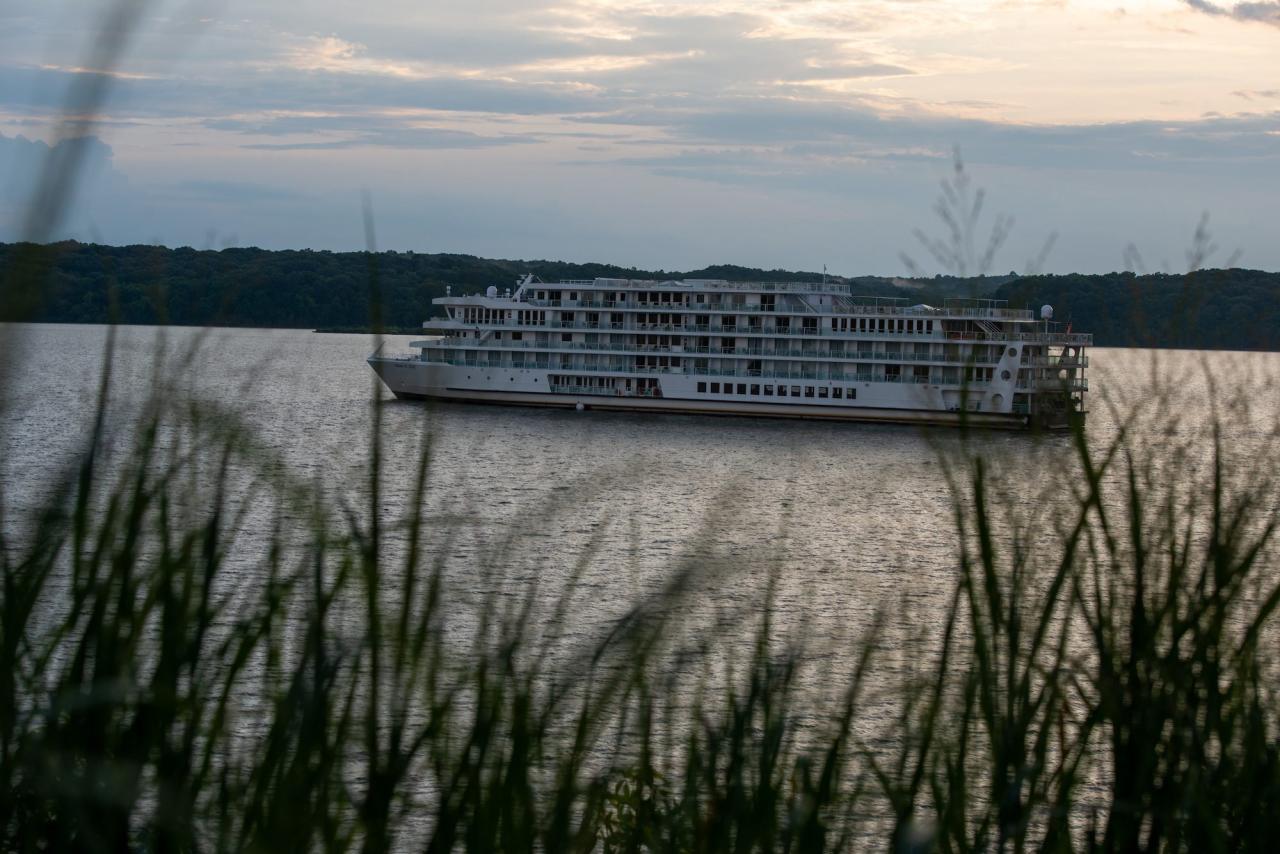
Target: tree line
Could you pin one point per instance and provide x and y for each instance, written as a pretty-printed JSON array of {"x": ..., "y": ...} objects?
[
  {"x": 90, "y": 283},
  {"x": 1233, "y": 309}
]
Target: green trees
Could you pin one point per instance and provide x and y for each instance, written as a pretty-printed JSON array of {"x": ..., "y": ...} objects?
[
  {"x": 1203, "y": 310},
  {"x": 1207, "y": 309}
]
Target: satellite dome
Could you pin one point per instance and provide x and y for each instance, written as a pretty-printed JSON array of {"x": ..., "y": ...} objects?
[
  {"x": 491, "y": 292},
  {"x": 1046, "y": 312}
]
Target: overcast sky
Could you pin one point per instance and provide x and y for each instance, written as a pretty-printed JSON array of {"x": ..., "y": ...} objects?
[{"x": 786, "y": 133}]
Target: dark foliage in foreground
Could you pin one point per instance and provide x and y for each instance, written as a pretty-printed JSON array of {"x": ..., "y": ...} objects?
[{"x": 1103, "y": 679}]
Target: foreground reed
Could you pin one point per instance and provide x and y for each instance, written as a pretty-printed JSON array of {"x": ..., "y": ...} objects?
[{"x": 199, "y": 653}]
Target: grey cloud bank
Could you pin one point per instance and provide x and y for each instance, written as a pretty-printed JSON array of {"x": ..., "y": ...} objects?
[
  {"x": 663, "y": 140},
  {"x": 1263, "y": 12}
]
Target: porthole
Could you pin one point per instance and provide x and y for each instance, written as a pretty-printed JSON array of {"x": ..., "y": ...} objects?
[
  {"x": 1012, "y": 351},
  {"x": 1004, "y": 375}
]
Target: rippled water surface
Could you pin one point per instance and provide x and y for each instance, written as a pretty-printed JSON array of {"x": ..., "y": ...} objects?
[{"x": 855, "y": 517}]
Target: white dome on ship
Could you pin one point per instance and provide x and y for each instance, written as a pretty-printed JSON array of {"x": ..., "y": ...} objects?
[
  {"x": 491, "y": 292},
  {"x": 1046, "y": 312}
]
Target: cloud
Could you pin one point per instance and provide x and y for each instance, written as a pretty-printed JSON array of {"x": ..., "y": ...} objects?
[
  {"x": 723, "y": 106},
  {"x": 23, "y": 161},
  {"x": 1257, "y": 94},
  {"x": 851, "y": 71},
  {"x": 788, "y": 144},
  {"x": 1267, "y": 12},
  {"x": 332, "y": 131},
  {"x": 235, "y": 192},
  {"x": 39, "y": 92},
  {"x": 400, "y": 137}
]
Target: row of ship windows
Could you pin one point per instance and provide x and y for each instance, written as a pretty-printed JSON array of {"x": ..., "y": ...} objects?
[
  {"x": 822, "y": 391},
  {"x": 838, "y": 324},
  {"x": 642, "y": 297}
]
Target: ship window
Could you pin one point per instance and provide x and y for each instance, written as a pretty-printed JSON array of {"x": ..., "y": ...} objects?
[
  {"x": 808, "y": 391},
  {"x": 795, "y": 391},
  {"x": 702, "y": 388},
  {"x": 768, "y": 391},
  {"x": 853, "y": 394},
  {"x": 822, "y": 391},
  {"x": 837, "y": 393},
  {"x": 742, "y": 388},
  {"x": 566, "y": 336},
  {"x": 517, "y": 336},
  {"x": 573, "y": 294},
  {"x": 715, "y": 388},
  {"x": 755, "y": 389}
]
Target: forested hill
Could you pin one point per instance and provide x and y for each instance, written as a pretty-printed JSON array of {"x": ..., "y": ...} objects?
[
  {"x": 300, "y": 288},
  {"x": 1234, "y": 309},
  {"x": 1206, "y": 310}
]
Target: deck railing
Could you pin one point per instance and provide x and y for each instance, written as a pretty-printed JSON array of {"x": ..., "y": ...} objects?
[
  {"x": 773, "y": 374},
  {"x": 736, "y": 352},
  {"x": 844, "y": 308},
  {"x": 702, "y": 284},
  {"x": 1078, "y": 339}
]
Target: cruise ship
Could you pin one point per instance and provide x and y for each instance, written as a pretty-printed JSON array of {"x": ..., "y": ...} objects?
[{"x": 787, "y": 349}]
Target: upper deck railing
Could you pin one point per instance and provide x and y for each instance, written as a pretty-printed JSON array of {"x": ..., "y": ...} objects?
[
  {"x": 841, "y": 355},
  {"x": 850, "y": 307},
  {"x": 702, "y": 284},
  {"x": 857, "y": 309},
  {"x": 1078, "y": 339}
]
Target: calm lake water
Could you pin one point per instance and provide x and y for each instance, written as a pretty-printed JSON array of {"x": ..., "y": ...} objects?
[{"x": 855, "y": 517}]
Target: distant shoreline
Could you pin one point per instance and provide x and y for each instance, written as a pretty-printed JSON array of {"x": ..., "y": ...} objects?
[{"x": 1235, "y": 309}]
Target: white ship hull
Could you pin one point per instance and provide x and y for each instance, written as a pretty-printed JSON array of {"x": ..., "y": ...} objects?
[{"x": 898, "y": 403}]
